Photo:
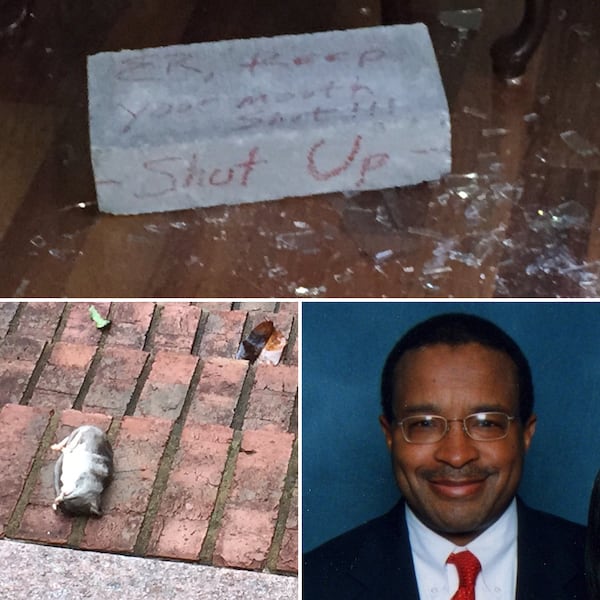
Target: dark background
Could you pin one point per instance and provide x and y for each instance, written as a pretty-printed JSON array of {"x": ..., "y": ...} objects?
[{"x": 347, "y": 476}]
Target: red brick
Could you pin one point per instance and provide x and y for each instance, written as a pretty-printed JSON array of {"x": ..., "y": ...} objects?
[
  {"x": 19, "y": 348},
  {"x": 138, "y": 449},
  {"x": 14, "y": 376},
  {"x": 79, "y": 327},
  {"x": 218, "y": 391},
  {"x": 177, "y": 327},
  {"x": 288, "y": 554},
  {"x": 63, "y": 375},
  {"x": 272, "y": 398},
  {"x": 114, "y": 381},
  {"x": 7, "y": 313},
  {"x": 39, "y": 320},
  {"x": 214, "y": 306},
  {"x": 262, "y": 306},
  {"x": 291, "y": 307},
  {"x": 130, "y": 322},
  {"x": 168, "y": 382},
  {"x": 40, "y": 523},
  {"x": 21, "y": 428},
  {"x": 18, "y": 358},
  {"x": 251, "y": 510},
  {"x": 188, "y": 501},
  {"x": 222, "y": 334}
]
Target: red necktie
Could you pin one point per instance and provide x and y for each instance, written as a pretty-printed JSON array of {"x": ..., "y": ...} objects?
[{"x": 468, "y": 568}]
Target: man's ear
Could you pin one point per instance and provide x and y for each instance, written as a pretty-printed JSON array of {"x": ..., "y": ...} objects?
[
  {"x": 387, "y": 431},
  {"x": 528, "y": 431}
]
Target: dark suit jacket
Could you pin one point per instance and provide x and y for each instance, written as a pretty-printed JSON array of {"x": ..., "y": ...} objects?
[{"x": 374, "y": 561}]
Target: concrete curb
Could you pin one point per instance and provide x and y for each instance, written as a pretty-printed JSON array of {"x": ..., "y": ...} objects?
[{"x": 36, "y": 572}]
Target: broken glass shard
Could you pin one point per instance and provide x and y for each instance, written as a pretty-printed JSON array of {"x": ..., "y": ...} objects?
[{"x": 578, "y": 143}]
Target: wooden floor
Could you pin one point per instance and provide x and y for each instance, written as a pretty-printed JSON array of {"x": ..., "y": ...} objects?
[{"x": 518, "y": 217}]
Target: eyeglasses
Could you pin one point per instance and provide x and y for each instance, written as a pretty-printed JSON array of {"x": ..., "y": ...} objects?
[{"x": 429, "y": 429}]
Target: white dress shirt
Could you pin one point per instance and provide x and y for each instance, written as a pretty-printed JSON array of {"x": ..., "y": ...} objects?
[{"x": 496, "y": 549}]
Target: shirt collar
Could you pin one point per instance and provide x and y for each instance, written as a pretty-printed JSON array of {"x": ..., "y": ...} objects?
[{"x": 494, "y": 547}]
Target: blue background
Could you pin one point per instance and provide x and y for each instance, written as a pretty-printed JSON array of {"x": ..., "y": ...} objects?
[{"x": 346, "y": 471}]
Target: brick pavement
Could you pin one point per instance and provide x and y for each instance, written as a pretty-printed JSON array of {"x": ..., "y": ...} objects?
[{"x": 205, "y": 445}]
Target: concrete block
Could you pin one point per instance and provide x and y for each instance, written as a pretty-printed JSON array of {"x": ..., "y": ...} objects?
[{"x": 248, "y": 120}]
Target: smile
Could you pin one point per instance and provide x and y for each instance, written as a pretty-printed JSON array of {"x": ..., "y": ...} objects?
[{"x": 457, "y": 489}]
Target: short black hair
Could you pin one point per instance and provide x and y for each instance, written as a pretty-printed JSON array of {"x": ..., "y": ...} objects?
[{"x": 456, "y": 329}]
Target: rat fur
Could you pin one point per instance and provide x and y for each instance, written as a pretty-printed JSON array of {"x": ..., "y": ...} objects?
[{"x": 82, "y": 471}]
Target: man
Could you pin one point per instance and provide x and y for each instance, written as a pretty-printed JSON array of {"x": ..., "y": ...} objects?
[{"x": 457, "y": 401}]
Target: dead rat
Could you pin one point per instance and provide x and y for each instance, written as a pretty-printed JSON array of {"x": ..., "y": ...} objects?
[{"x": 82, "y": 471}]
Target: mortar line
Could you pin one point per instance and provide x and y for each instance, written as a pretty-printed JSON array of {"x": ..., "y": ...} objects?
[
  {"x": 62, "y": 322},
  {"x": 163, "y": 472},
  {"x": 149, "y": 337},
  {"x": 214, "y": 524},
  {"x": 293, "y": 423},
  {"x": 285, "y": 358},
  {"x": 200, "y": 329},
  {"x": 285, "y": 503},
  {"x": 14, "y": 521},
  {"x": 241, "y": 407},
  {"x": 36, "y": 373},
  {"x": 246, "y": 329},
  {"x": 14, "y": 322},
  {"x": 90, "y": 375},
  {"x": 139, "y": 385}
]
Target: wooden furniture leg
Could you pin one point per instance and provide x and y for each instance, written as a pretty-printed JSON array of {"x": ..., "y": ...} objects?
[{"x": 511, "y": 54}]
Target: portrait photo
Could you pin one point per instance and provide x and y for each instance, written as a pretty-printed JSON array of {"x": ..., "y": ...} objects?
[{"x": 348, "y": 476}]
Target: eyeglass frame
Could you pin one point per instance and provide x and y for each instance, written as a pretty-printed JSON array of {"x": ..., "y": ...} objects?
[{"x": 510, "y": 419}]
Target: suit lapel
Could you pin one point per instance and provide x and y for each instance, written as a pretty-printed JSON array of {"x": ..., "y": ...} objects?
[
  {"x": 384, "y": 564},
  {"x": 545, "y": 569}
]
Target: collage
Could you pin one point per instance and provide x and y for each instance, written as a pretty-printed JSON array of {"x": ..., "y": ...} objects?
[{"x": 299, "y": 300}]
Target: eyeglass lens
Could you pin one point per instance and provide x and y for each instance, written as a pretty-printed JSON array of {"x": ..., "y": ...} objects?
[{"x": 427, "y": 429}]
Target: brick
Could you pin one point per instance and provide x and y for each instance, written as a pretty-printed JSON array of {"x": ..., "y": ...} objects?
[
  {"x": 130, "y": 322},
  {"x": 138, "y": 449},
  {"x": 218, "y": 391},
  {"x": 288, "y": 554},
  {"x": 272, "y": 398},
  {"x": 222, "y": 334},
  {"x": 40, "y": 523},
  {"x": 291, "y": 307},
  {"x": 116, "y": 377},
  {"x": 19, "y": 348},
  {"x": 21, "y": 429},
  {"x": 176, "y": 327},
  {"x": 79, "y": 327},
  {"x": 251, "y": 510},
  {"x": 7, "y": 313},
  {"x": 262, "y": 306},
  {"x": 63, "y": 375},
  {"x": 18, "y": 359},
  {"x": 214, "y": 306},
  {"x": 188, "y": 501},
  {"x": 165, "y": 390},
  {"x": 266, "y": 118},
  {"x": 39, "y": 320}
]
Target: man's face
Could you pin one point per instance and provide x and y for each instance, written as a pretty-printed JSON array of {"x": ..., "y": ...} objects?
[{"x": 458, "y": 486}]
